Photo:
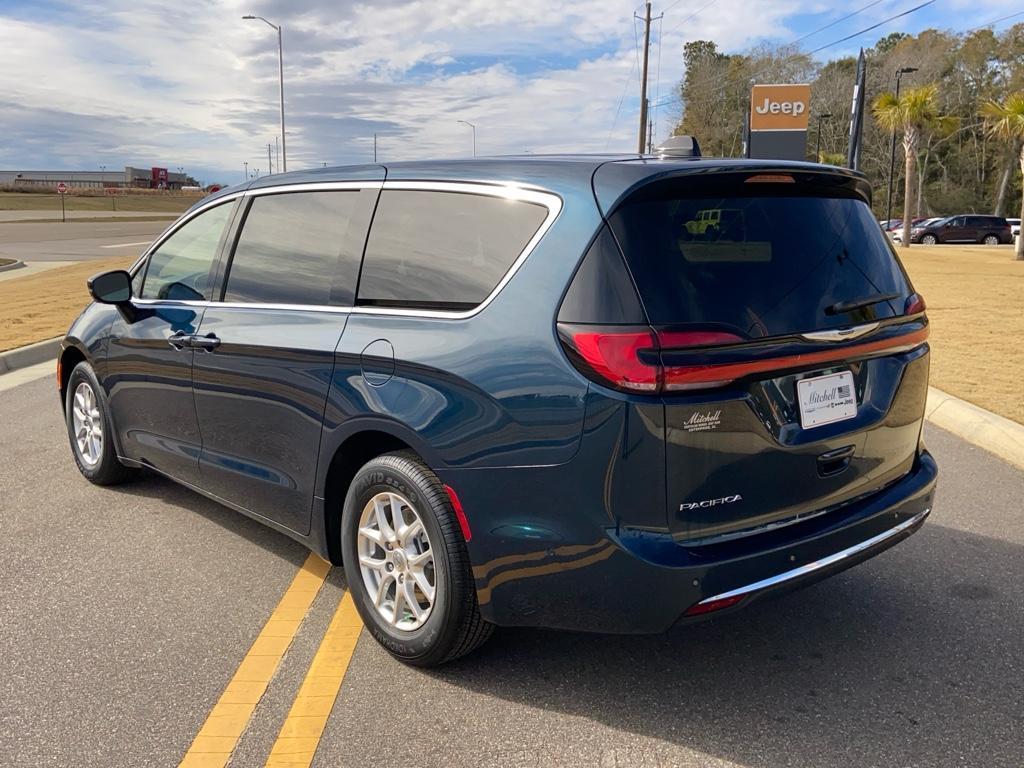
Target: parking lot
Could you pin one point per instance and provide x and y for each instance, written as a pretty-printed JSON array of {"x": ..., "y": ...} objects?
[{"x": 126, "y": 612}]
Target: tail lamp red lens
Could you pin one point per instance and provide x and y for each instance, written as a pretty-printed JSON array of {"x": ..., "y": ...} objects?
[
  {"x": 914, "y": 305},
  {"x": 629, "y": 358}
]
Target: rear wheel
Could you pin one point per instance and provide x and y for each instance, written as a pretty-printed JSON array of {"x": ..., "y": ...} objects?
[
  {"x": 406, "y": 563},
  {"x": 929, "y": 239},
  {"x": 991, "y": 240},
  {"x": 90, "y": 430}
]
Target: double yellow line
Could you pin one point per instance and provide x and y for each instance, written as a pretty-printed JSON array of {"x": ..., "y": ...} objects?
[{"x": 300, "y": 734}]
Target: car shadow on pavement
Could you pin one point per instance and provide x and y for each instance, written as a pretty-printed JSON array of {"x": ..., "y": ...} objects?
[
  {"x": 914, "y": 658},
  {"x": 157, "y": 488}
]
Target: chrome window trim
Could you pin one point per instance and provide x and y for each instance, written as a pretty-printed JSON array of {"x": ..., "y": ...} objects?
[
  {"x": 817, "y": 565},
  {"x": 551, "y": 201},
  {"x": 307, "y": 187}
]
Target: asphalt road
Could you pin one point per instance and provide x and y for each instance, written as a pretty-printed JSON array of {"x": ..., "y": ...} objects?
[
  {"x": 77, "y": 241},
  {"x": 124, "y": 612}
]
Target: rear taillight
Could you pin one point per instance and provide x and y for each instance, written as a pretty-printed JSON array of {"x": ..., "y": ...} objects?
[
  {"x": 914, "y": 304},
  {"x": 615, "y": 356},
  {"x": 630, "y": 358}
]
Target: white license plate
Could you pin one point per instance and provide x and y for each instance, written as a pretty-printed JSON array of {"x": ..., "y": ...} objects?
[{"x": 826, "y": 399}]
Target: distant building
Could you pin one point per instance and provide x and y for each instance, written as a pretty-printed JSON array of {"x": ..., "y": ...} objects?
[{"x": 137, "y": 178}]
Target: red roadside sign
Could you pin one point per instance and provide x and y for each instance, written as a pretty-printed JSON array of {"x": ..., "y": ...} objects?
[{"x": 62, "y": 188}]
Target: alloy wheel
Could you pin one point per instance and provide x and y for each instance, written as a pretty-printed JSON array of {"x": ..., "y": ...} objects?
[
  {"x": 396, "y": 561},
  {"x": 88, "y": 424}
]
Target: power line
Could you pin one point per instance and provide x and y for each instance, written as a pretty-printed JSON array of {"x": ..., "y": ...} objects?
[
  {"x": 873, "y": 26},
  {"x": 837, "y": 21},
  {"x": 996, "y": 21},
  {"x": 692, "y": 15},
  {"x": 657, "y": 75},
  {"x": 729, "y": 80},
  {"x": 625, "y": 87}
]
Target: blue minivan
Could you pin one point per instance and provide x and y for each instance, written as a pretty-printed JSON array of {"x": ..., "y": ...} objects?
[{"x": 607, "y": 393}]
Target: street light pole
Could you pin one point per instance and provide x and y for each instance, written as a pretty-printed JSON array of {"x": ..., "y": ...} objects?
[
  {"x": 817, "y": 143},
  {"x": 892, "y": 148},
  {"x": 466, "y": 122},
  {"x": 280, "y": 74}
]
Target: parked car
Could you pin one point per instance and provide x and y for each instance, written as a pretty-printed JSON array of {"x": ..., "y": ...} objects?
[
  {"x": 510, "y": 392},
  {"x": 1014, "y": 226},
  {"x": 897, "y": 234},
  {"x": 970, "y": 228}
]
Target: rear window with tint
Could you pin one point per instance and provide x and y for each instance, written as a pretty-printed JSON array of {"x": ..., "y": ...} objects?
[
  {"x": 765, "y": 260},
  {"x": 300, "y": 248},
  {"x": 443, "y": 250}
]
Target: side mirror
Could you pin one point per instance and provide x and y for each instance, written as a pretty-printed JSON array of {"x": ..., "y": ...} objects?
[{"x": 111, "y": 287}]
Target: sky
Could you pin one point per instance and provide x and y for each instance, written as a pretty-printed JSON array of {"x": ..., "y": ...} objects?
[{"x": 189, "y": 84}]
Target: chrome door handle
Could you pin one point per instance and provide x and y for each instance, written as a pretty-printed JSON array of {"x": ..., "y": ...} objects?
[
  {"x": 209, "y": 342},
  {"x": 180, "y": 340}
]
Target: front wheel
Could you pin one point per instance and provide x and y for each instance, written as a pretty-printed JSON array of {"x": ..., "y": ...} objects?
[
  {"x": 90, "y": 429},
  {"x": 991, "y": 240},
  {"x": 929, "y": 240},
  {"x": 406, "y": 563}
]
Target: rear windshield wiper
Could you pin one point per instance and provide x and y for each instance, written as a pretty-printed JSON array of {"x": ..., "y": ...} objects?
[{"x": 848, "y": 306}]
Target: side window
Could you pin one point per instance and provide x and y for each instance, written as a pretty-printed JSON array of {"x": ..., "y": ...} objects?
[
  {"x": 180, "y": 268},
  {"x": 301, "y": 248},
  {"x": 443, "y": 250}
]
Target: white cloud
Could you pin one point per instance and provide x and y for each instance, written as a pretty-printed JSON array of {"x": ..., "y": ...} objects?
[{"x": 190, "y": 83}]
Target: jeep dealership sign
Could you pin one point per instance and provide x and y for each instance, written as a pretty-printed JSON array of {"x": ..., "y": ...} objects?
[{"x": 778, "y": 121}]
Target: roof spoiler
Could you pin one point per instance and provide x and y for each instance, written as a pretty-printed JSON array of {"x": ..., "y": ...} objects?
[{"x": 679, "y": 146}]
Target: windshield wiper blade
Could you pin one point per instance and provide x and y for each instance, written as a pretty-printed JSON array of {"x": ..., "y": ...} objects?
[{"x": 848, "y": 306}]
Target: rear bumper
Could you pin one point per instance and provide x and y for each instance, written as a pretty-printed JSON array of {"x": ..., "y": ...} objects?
[{"x": 630, "y": 581}]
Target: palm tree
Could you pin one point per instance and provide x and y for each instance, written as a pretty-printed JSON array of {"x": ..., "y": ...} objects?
[
  {"x": 1006, "y": 121},
  {"x": 910, "y": 112}
]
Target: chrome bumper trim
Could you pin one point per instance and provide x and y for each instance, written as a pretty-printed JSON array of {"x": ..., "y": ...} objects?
[{"x": 817, "y": 565}]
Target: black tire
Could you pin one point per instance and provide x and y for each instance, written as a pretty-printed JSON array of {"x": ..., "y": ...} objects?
[
  {"x": 990, "y": 240},
  {"x": 107, "y": 470},
  {"x": 454, "y": 626},
  {"x": 929, "y": 240}
]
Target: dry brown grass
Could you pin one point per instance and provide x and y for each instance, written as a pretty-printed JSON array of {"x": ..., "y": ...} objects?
[
  {"x": 42, "y": 305},
  {"x": 975, "y": 297}
]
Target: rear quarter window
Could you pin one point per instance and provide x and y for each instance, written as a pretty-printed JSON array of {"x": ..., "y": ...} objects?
[{"x": 443, "y": 250}]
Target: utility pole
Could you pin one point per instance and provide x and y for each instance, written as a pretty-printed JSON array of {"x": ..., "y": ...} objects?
[
  {"x": 270, "y": 163},
  {"x": 375, "y": 147},
  {"x": 277, "y": 152},
  {"x": 246, "y": 164},
  {"x": 643, "y": 81},
  {"x": 650, "y": 132}
]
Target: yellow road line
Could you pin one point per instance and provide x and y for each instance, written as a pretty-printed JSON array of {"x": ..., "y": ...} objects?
[
  {"x": 227, "y": 720},
  {"x": 300, "y": 735}
]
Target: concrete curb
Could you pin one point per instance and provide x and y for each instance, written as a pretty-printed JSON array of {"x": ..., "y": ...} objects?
[
  {"x": 977, "y": 426},
  {"x": 22, "y": 357},
  {"x": 18, "y": 264}
]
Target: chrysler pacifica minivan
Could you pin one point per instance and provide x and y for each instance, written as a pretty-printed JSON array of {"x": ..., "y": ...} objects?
[{"x": 525, "y": 391}]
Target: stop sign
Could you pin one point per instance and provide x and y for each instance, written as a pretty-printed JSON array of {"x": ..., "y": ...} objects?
[{"x": 62, "y": 188}]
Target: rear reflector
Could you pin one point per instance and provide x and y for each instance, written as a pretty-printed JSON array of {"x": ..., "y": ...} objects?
[
  {"x": 699, "y": 609},
  {"x": 60, "y": 372},
  {"x": 460, "y": 514},
  {"x": 629, "y": 358}
]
